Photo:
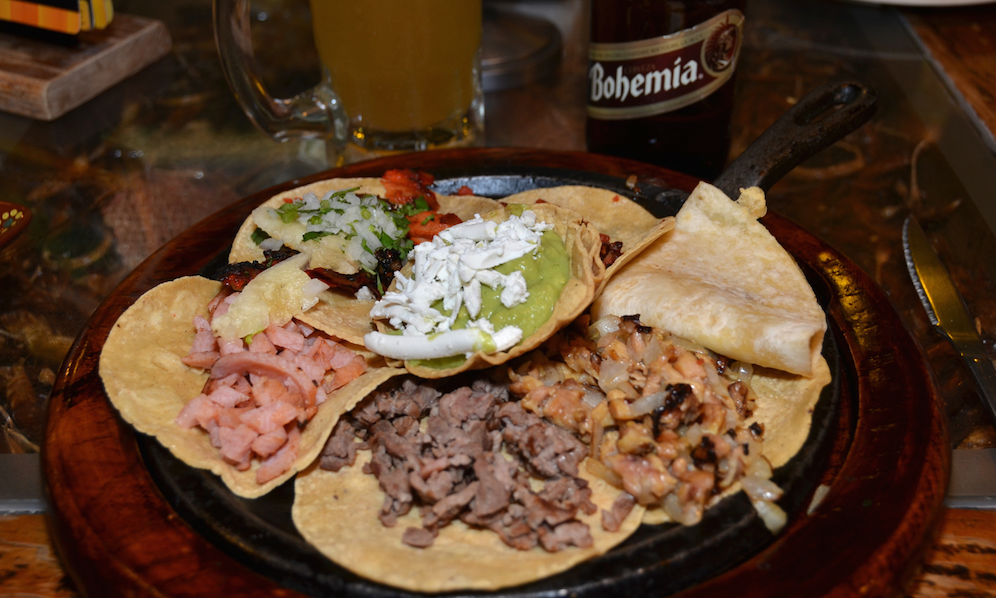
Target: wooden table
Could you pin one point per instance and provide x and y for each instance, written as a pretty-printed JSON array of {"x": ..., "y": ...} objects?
[{"x": 960, "y": 560}]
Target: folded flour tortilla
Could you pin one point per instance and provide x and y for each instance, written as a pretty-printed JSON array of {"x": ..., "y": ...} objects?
[{"x": 722, "y": 280}]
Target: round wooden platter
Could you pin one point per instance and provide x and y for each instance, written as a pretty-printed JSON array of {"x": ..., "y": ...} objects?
[{"x": 884, "y": 479}]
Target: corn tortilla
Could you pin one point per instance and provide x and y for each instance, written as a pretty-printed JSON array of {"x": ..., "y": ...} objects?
[
  {"x": 340, "y": 314},
  {"x": 148, "y": 384},
  {"x": 337, "y": 512}
]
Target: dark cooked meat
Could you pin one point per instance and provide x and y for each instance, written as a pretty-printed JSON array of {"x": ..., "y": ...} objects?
[
  {"x": 468, "y": 454},
  {"x": 610, "y": 251},
  {"x": 388, "y": 261},
  {"x": 340, "y": 449},
  {"x": 613, "y": 518},
  {"x": 238, "y": 275}
]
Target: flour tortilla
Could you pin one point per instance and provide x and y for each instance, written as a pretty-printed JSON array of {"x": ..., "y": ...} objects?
[
  {"x": 337, "y": 512},
  {"x": 722, "y": 280},
  {"x": 146, "y": 381},
  {"x": 337, "y": 313}
]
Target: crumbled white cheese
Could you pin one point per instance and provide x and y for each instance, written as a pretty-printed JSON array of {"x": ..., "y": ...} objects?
[{"x": 452, "y": 268}]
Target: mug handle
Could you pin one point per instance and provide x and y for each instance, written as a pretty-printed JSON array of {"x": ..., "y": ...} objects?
[{"x": 314, "y": 113}]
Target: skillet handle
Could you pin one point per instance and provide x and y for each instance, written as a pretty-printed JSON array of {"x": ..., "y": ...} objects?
[{"x": 822, "y": 117}]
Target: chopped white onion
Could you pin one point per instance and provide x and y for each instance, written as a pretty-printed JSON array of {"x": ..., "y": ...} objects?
[
  {"x": 603, "y": 326},
  {"x": 771, "y": 514},
  {"x": 761, "y": 489},
  {"x": 743, "y": 370},
  {"x": 759, "y": 468},
  {"x": 614, "y": 376},
  {"x": 647, "y": 404},
  {"x": 314, "y": 287},
  {"x": 592, "y": 397},
  {"x": 271, "y": 244}
]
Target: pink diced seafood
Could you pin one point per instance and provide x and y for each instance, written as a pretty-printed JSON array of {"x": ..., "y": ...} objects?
[
  {"x": 231, "y": 346},
  {"x": 204, "y": 339},
  {"x": 227, "y": 397},
  {"x": 201, "y": 360},
  {"x": 265, "y": 364},
  {"x": 343, "y": 375},
  {"x": 198, "y": 411}
]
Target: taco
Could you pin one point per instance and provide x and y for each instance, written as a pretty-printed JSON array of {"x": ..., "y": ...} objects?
[
  {"x": 357, "y": 232},
  {"x": 489, "y": 289},
  {"x": 722, "y": 283},
  {"x": 251, "y": 397},
  {"x": 672, "y": 423},
  {"x": 721, "y": 279},
  {"x": 468, "y": 481}
]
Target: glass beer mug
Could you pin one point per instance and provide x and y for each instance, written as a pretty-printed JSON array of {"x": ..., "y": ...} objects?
[{"x": 398, "y": 75}]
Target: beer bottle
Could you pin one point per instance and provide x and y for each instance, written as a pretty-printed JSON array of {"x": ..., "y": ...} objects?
[{"x": 660, "y": 81}]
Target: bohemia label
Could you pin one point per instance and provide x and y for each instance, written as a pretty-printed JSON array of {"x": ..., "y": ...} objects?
[{"x": 647, "y": 77}]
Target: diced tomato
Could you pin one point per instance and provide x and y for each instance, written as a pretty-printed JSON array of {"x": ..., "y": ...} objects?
[
  {"x": 464, "y": 191},
  {"x": 403, "y": 186},
  {"x": 425, "y": 225}
]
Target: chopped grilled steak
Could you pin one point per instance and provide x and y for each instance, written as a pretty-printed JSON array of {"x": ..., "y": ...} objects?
[
  {"x": 340, "y": 449},
  {"x": 418, "y": 538},
  {"x": 612, "y": 519},
  {"x": 447, "y": 454}
]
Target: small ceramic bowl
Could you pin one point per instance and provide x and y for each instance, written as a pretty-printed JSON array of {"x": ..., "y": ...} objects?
[{"x": 13, "y": 219}]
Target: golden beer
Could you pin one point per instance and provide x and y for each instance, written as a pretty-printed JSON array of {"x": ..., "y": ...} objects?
[{"x": 401, "y": 67}]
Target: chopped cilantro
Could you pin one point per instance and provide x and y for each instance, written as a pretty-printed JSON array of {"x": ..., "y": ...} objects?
[
  {"x": 258, "y": 236},
  {"x": 312, "y": 235},
  {"x": 289, "y": 211}
]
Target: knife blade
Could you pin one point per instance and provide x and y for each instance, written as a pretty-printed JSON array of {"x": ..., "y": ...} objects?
[{"x": 946, "y": 309}]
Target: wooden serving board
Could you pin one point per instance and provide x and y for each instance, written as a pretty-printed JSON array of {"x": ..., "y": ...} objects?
[{"x": 43, "y": 78}]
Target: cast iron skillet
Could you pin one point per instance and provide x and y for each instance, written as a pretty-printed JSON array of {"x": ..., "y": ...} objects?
[{"x": 658, "y": 560}]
